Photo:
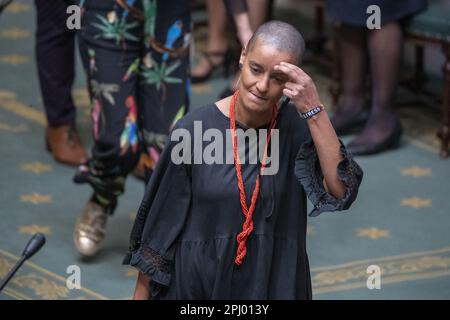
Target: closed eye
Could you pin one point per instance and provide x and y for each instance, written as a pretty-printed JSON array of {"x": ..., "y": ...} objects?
[
  {"x": 279, "y": 79},
  {"x": 255, "y": 70}
]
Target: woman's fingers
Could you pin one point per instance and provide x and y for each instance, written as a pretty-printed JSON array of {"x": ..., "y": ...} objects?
[
  {"x": 287, "y": 93},
  {"x": 290, "y": 93},
  {"x": 301, "y": 88},
  {"x": 297, "y": 69},
  {"x": 291, "y": 73},
  {"x": 296, "y": 74},
  {"x": 293, "y": 85}
]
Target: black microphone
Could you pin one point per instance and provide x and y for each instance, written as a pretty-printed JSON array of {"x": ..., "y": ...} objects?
[
  {"x": 36, "y": 242},
  {"x": 4, "y": 4}
]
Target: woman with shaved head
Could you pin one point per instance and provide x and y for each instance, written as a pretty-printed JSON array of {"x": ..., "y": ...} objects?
[{"x": 236, "y": 229}]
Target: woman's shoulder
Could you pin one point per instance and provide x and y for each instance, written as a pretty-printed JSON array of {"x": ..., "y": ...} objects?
[{"x": 204, "y": 114}]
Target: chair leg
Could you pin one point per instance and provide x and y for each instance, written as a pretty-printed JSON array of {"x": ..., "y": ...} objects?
[
  {"x": 444, "y": 131},
  {"x": 419, "y": 73}
]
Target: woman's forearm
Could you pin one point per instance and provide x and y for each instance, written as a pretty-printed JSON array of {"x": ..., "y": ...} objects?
[
  {"x": 328, "y": 150},
  {"x": 142, "y": 291}
]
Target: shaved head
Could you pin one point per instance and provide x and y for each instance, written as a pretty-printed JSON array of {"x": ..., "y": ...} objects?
[{"x": 280, "y": 35}]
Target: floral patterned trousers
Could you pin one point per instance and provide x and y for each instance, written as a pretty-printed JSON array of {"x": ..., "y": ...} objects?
[{"x": 136, "y": 57}]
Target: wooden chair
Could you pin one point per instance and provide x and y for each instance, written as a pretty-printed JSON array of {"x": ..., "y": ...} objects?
[{"x": 432, "y": 28}]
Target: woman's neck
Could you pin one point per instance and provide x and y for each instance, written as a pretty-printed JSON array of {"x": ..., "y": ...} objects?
[{"x": 251, "y": 119}]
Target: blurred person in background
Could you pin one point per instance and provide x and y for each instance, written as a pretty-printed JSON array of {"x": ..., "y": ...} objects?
[
  {"x": 379, "y": 51},
  {"x": 136, "y": 57},
  {"x": 55, "y": 57}
]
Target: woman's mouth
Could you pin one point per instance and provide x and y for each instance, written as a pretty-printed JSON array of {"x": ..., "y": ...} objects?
[{"x": 257, "y": 98}]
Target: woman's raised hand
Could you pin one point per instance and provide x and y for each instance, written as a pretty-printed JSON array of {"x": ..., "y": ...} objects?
[{"x": 300, "y": 88}]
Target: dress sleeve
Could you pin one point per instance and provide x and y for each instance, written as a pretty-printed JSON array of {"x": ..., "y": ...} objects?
[
  {"x": 160, "y": 219},
  {"x": 309, "y": 173}
]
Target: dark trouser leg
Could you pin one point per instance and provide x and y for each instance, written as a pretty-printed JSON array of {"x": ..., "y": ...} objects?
[
  {"x": 117, "y": 63},
  {"x": 120, "y": 71},
  {"x": 55, "y": 61},
  {"x": 162, "y": 102},
  {"x": 114, "y": 110}
]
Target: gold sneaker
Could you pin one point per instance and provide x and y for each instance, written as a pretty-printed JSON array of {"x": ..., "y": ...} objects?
[{"x": 90, "y": 228}]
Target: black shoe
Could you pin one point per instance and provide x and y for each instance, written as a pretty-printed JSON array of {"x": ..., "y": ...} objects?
[
  {"x": 351, "y": 123},
  {"x": 107, "y": 189},
  {"x": 390, "y": 142},
  {"x": 226, "y": 63}
]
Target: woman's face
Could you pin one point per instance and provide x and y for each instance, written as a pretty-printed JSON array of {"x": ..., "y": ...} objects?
[{"x": 261, "y": 87}]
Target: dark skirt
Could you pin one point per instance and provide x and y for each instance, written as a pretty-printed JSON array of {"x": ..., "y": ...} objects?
[{"x": 354, "y": 12}]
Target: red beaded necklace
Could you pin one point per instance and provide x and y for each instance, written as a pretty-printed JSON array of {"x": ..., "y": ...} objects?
[{"x": 248, "y": 212}]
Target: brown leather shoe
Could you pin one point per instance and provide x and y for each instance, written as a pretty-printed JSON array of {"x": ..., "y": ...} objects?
[{"x": 64, "y": 143}]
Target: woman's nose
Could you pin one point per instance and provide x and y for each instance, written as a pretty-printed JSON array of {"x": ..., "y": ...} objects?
[{"x": 263, "y": 85}]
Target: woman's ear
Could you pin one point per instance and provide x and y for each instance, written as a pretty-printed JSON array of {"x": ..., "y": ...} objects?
[{"x": 242, "y": 57}]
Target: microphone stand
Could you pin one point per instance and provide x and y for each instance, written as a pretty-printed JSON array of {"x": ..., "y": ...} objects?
[
  {"x": 34, "y": 245},
  {"x": 12, "y": 272}
]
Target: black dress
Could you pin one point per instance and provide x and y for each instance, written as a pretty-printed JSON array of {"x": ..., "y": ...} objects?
[
  {"x": 354, "y": 12},
  {"x": 184, "y": 236}
]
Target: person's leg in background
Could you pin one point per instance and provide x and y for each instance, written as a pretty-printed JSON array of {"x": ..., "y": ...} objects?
[
  {"x": 258, "y": 12},
  {"x": 163, "y": 102},
  {"x": 351, "y": 112},
  {"x": 150, "y": 60},
  {"x": 383, "y": 128},
  {"x": 111, "y": 58},
  {"x": 55, "y": 45},
  {"x": 217, "y": 48}
]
